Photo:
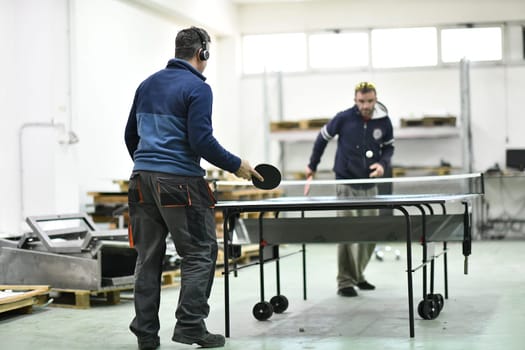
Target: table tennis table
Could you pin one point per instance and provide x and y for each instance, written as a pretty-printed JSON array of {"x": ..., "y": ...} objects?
[{"x": 423, "y": 219}]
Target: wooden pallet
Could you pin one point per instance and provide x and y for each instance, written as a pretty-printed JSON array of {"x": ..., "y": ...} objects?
[
  {"x": 24, "y": 298},
  {"x": 302, "y": 124},
  {"x": 317, "y": 123},
  {"x": 284, "y": 125},
  {"x": 249, "y": 194},
  {"x": 429, "y": 121},
  {"x": 425, "y": 171},
  {"x": 248, "y": 253},
  {"x": 84, "y": 299},
  {"x": 171, "y": 278},
  {"x": 244, "y": 194},
  {"x": 219, "y": 221}
]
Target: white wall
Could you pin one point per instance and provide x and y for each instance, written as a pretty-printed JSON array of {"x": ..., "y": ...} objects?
[
  {"x": 271, "y": 17},
  {"x": 34, "y": 97},
  {"x": 112, "y": 57},
  {"x": 218, "y": 16},
  {"x": 112, "y": 46}
]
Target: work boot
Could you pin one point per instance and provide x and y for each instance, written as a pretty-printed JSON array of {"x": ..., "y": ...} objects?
[
  {"x": 149, "y": 344},
  {"x": 347, "y": 292},
  {"x": 366, "y": 286},
  {"x": 208, "y": 340}
]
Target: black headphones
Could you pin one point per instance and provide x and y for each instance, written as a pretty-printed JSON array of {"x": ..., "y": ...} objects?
[{"x": 204, "y": 54}]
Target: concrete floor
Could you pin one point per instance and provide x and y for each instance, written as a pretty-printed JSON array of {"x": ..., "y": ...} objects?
[{"x": 485, "y": 309}]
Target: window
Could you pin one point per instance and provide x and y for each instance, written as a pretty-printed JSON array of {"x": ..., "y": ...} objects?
[
  {"x": 274, "y": 53},
  {"x": 337, "y": 50},
  {"x": 404, "y": 47},
  {"x": 475, "y": 44},
  {"x": 370, "y": 48}
]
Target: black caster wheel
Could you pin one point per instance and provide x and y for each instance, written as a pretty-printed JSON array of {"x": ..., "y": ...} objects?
[
  {"x": 438, "y": 299},
  {"x": 428, "y": 309},
  {"x": 262, "y": 310},
  {"x": 279, "y": 303}
]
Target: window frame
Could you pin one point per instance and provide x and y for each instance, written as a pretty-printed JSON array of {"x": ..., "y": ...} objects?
[{"x": 369, "y": 67}]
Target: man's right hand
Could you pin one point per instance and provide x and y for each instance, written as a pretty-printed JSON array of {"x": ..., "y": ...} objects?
[
  {"x": 246, "y": 171},
  {"x": 309, "y": 172}
]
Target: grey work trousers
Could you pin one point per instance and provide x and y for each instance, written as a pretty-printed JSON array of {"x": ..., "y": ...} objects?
[
  {"x": 352, "y": 258},
  {"x": 159, "y": 204}
]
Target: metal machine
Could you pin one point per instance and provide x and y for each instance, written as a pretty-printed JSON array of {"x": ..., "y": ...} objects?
[{"x": 68, "y": 252}]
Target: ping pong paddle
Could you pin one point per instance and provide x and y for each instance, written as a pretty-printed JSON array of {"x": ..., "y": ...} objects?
[{"x": 271, "y": 175}]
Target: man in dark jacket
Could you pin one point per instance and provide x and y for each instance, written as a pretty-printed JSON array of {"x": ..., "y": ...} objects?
[
  {"x": 364, "y": 149},
  {"x": 168, "y": 131}
]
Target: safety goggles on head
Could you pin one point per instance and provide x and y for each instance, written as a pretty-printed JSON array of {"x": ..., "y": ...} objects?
[{"x": 365, "y": 85}]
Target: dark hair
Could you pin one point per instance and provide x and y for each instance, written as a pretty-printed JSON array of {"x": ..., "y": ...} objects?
[{"x": 189, "y": 41}]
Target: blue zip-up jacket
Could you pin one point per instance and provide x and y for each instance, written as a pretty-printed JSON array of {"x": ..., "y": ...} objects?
[
  {"x": 356, "y": 137},
  {"x": 169, "y": 127}
]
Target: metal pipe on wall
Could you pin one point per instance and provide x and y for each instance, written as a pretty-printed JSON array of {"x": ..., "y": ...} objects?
[{"x": 70, "y": 71}]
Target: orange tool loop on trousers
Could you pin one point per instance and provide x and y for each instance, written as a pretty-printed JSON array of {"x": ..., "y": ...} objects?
[{"x": 130, "y": 236}]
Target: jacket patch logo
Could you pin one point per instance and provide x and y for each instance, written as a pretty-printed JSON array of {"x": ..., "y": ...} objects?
[{"x": 377, "y": 134}]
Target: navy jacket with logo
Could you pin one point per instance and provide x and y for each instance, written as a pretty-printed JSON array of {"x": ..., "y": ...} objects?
[{"x": 355, "y": 138}]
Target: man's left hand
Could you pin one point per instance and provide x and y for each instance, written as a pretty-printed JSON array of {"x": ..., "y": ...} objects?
[{"x": 376, "y": 170}]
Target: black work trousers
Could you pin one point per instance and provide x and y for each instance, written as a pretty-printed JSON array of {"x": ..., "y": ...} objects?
[{"x": 159, "y": 204}]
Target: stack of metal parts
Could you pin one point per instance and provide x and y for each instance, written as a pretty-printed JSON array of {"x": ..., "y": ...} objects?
[{"x": 68, "y": 252}]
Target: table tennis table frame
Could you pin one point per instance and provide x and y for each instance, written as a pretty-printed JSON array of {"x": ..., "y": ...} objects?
[{"x": 232, "y": 209}]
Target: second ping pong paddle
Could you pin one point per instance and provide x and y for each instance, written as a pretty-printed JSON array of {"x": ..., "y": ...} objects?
[{"x": 271, "y": 175}]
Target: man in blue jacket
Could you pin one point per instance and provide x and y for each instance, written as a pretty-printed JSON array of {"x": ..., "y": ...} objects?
[
  {"x": 365, "y": 146},
  {"x": 168, "y": 131}
]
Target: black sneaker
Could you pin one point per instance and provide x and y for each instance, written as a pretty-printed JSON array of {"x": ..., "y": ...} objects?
[
  {"x": 208, "y": 340},
  {"x": 366, "y": 286},
  {"x": 347, "y": 292}
]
